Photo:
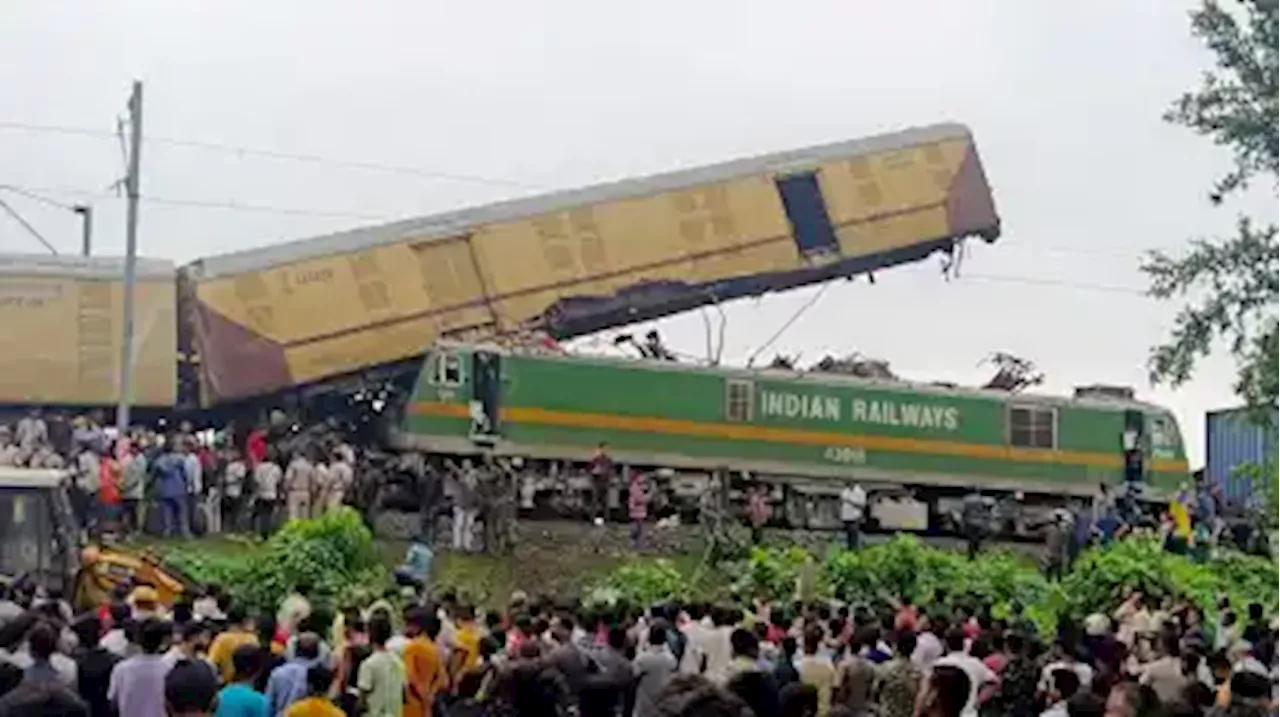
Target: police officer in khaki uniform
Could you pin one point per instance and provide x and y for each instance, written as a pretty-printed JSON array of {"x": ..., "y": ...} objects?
[{"x": 298, "y": 484}]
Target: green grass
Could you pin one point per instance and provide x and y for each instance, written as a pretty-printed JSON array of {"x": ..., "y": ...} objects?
[
  {"x": 483, "y": 579},
  {"x": 490, "y": 580}
]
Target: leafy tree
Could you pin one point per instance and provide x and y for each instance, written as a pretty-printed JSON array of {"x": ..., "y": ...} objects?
[{"x": 1231, "y": 281}]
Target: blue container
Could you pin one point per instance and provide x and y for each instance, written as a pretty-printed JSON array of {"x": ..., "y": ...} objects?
[{"x": 1232, "y": 440}]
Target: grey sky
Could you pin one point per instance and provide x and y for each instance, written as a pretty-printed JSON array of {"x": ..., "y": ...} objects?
[{"x": 1064, "y": 100}]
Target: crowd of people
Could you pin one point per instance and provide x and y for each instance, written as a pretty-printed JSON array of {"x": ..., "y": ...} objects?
[
  {"x": 218, "y": 481},
  {"x": 1194, "y": 522},
  {"x": 404, "y": 655},
  {"x": 410, "y": 656}
]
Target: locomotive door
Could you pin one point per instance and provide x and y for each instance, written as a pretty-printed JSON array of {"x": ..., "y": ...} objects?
[
  {"x": 1133, "y": 444},
  {"x": 486, "y": 394}
]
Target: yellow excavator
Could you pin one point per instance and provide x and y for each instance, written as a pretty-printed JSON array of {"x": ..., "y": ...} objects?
[
  {"x": 104, "y": 567},
  {"x": 41, "y": 544}
]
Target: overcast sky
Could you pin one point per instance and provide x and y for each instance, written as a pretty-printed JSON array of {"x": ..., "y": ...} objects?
[{"x": 1064, "y": 100}]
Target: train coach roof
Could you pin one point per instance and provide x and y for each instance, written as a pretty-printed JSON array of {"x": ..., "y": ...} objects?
[
  {"x": 452, "y": 223},
  {"x": 81, "y": 267}
]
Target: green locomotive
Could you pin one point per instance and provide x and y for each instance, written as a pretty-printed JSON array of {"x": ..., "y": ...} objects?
[{"x": 804, "y": 433}]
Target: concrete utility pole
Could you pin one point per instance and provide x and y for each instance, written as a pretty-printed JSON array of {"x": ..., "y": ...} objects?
[
  {"x": 86, "y": 224},
  {"x": 132, "y": 187}
]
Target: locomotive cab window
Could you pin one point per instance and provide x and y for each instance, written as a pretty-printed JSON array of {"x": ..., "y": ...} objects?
[
  {"x": 1164, "y": 438},
  {"x": 738, "y": 400},
  {"x": 1033, "y": 427},
  {"x": 448, "y": 369}
]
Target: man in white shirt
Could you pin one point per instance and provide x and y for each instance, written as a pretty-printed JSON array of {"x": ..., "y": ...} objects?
[
  {"x": 1065, "y": 685},
  {"x": 298, "y": 482},
  {"x": 697, "y": 630},
  {"x": 64, "y": 668},
  {"x": 195, "y": 479},
  {"x": 320, "y": 487},
  {"x": 88, "y": 481},
  {"x": 466, "y": 506},
  {"x": 1164, "y": 675},
  {"x": 267, "y": 477},
  {"x": 1249, "y": 663},
  {"x": 294, "y": 608},
  {"x": 979, "y": 674},
  {"x": 853, "y": 509},
  {"x": 191, "y": 643},
  {"x": 709, "y": 647},
  {"x": 1066, "y": 661},
  {"x": 817, "y": 670},
  {"x": 32, "y": 432},
  {"x": 116, "y": 641},
  {"x": 341, "y": 478},
  {"x": 233, "y": 483},
  {"x": 447, "y": 640},
  {"x": 928, "y": 646}
]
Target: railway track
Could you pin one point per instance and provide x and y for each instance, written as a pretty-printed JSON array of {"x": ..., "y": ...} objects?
[{"x": 546, "y": 533}]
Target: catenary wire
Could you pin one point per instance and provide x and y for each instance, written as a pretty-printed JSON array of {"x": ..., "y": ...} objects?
[
  {"x": 203, "y": 203},
  {"x": 28, "y": 227},
  {"x": 244, "y": 151},
  {"x": 789, "y": 322},
  {"x": 37, "y": 198}
]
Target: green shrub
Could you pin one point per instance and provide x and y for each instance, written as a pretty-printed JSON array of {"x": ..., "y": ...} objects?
[
  {"x": 1100, "y": 577},
  {"x": 772, "y": 573},
  {"x": 640, "y": 583},
  {"x": 335, "y": 556},
  {"x": 905, "y": 568},
  {"x": 331, "y": 555}
]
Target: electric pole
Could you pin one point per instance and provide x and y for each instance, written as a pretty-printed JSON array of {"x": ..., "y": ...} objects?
[
  {"x": 86, "y": 225},
  {"x": 132, "y": 188}
]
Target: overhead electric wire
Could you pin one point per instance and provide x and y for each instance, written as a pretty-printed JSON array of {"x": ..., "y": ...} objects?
[
  {"x": 204, "y": 203},
  {"x": 27, "y": 225},
  {"x": 244, "y": 151},
  {"x": 788, "y": 323},
  {"x": 37, "y": 198},
  {"x": 263, "y": 208}
]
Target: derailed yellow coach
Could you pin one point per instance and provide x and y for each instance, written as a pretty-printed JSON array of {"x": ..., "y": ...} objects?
[{"x": 579, "y": 261}]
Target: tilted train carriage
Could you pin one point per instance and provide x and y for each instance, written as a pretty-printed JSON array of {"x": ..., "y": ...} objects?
[
  {"x": 328, "y": 315},
  {"x": 802, "y": 432}
]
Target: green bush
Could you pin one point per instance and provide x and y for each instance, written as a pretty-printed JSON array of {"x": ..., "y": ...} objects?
[
  {"x": 639, "y": 583},
  {"x": 335, "y": 556},
  {"x": 332, "y": 555},
  {"x": 1100, "y": 577},
  {"x": 772, "y": 573},
  {"x": 906, "y": 568}
]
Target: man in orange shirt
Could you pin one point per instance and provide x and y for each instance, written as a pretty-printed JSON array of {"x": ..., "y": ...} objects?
[
  {"x": 425, "y": 675},
  {"x": 466, "y": 653}
]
